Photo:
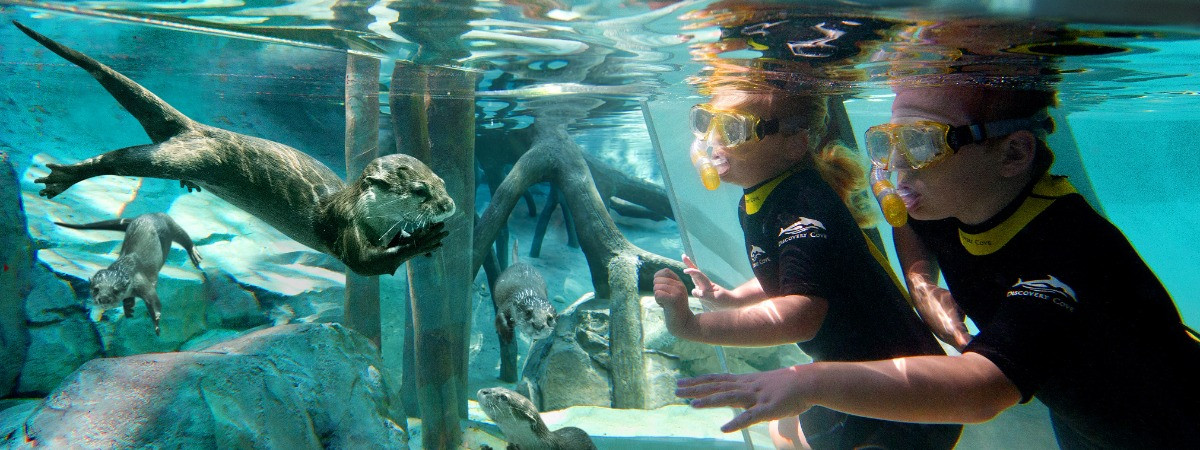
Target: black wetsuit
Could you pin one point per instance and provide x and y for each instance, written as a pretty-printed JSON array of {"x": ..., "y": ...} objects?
[
  {"x": 803, "y": 241},
  {"x": 1070, "y": 313}
]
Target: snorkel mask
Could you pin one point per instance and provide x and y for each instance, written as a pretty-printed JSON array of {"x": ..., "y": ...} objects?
[
  {"x": 921, "y": 144},
  {"x": 918, "y": 145},
  {"x": 714, "y": 127}
]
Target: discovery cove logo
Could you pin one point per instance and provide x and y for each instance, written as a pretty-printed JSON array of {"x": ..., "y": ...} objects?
[
  {"x": 803, "y": 228},
  {"x": 1051, "y": 289},
  {"x": 757, "y": 256}
]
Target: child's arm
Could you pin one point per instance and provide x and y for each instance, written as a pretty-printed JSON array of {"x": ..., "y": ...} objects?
[
  {"x": 713, "y": 296},
  {"x": 773, "y": 321},
  {"x": 935, "y": 304}
]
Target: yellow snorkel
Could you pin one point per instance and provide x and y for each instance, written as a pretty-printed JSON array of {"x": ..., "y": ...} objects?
[
  {"x": 703, "y": 163},
  {"x": 893, "y": 207}
]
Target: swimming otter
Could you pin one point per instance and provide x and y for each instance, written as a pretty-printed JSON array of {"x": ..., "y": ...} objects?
[
  {"x": 390, "y": 214},
  {"x": 147, "y": 242},
  {"x": 523, "y": 426},
  {"x": 521, "y": 302}
]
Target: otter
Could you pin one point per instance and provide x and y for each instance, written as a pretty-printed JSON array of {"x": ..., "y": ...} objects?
[
  {"x": 523, "y": 427},
  {"x": 147, "y": 242},
  {"x": 521, "y": 303},
  {"x": 393, "y": 212}
]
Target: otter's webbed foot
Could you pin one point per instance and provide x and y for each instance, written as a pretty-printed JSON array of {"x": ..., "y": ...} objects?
[
  {"x": 154, "y": 317},
  {"x": 60, "y": 178},
  {"x": 189, "y": 185},
  {"x": 127, "y": 306},
  {"x": 194, "y": 256}
]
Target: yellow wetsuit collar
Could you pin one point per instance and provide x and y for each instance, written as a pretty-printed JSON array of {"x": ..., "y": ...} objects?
[
  {"x": 756, "y": 196},
  {"x": 1048, "y": 189}
]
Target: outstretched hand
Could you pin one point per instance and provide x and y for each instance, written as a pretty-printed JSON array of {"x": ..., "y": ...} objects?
[{"x": 765, "y": 396}]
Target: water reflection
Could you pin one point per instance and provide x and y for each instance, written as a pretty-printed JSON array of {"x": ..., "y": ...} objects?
[{"x": 648, "y": 45}]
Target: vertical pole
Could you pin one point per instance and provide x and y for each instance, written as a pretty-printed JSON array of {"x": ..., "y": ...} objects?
[
  {"x": 440, "y": 285},
  {"x": 411, "y": 132},
  {"x": 362, "y": 146}
]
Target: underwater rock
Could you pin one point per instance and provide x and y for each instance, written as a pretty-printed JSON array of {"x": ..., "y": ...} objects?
[
  {"x": 291, "y": 386},
  {"x": 16, "y": 255},
  {"x": 340, "y": 375},
  {"x": 571, "y": 366},
  {"x": 209, "y": 339},
  {"x": 231, "y": 306},
  {"x": 61, "y": 337}
]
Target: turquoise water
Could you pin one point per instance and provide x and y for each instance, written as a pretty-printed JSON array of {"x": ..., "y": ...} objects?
[{"x": 620, "y": 74}]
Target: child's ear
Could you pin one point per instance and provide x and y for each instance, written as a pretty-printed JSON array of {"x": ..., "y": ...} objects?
[{"x": 1018, "y": 150}]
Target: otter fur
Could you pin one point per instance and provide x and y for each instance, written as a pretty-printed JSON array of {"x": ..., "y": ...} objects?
[
  {"x": 522, "y": 425},
  {"x": 521, "y": 302},
  {"x": 390, "y": 214},
  {"x": 147, "y": 242}
]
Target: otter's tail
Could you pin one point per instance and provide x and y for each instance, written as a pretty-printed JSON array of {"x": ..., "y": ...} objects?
[
  {"x": 160, "y": 120},
  {"x": 113, "y": 225}
]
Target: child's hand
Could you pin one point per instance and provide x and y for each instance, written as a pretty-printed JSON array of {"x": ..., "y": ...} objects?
[
  {"x": 669, "y": 291},
  {"x": 709, "y": 293},
  {"x": 671, "y": 295}
]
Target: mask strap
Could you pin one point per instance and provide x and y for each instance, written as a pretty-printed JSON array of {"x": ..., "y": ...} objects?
[
  {"x": 767, "y": 127},
  {"x": 979, "y": 132}
]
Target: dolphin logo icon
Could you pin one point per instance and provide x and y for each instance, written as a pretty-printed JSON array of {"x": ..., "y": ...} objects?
[
  {"x": 1051, "y": 286},
  {"x": 802, "y": 225}
]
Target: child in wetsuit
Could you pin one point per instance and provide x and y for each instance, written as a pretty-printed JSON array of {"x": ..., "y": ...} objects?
[{"x": 818, "y": 280}]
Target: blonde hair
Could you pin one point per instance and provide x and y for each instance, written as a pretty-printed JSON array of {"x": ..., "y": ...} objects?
[{"x": 840, "y": 166}]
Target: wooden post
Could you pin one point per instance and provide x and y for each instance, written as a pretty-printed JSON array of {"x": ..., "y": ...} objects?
[
  {"x": 362, "y": 146},
  {"x": 442, "y": 101},
  {"x": 626, "y": 343}
]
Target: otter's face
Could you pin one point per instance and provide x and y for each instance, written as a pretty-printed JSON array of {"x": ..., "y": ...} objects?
[
  {"x": 500, "y": 404},
  {"x": 110, "y": 288},
  {"x": 536, "y": 323},
  {"x": 399, "y": 195}
]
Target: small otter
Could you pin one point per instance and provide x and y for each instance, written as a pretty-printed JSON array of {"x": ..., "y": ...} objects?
[
  {"x": 521, "y": 303},
  {"x": 390, "y": 214},
  {"x": 147, "y": 242},
  {"x": 521, "y": 424}
]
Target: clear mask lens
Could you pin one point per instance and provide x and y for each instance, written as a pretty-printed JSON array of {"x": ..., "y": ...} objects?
[
  {"x": 921, "y": 145},
  {"x": 721, "y": 128},
  {"x": 701, "y": 121},
  {"x": 734, "y": 130},
  {"x": 898, "y": 147},
  {"x": 879, "y": 148}
]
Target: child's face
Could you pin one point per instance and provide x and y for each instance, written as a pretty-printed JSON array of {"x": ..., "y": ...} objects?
[
  {"x": 754, "y": 161},
  {"x": 950, "y": 187}
]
